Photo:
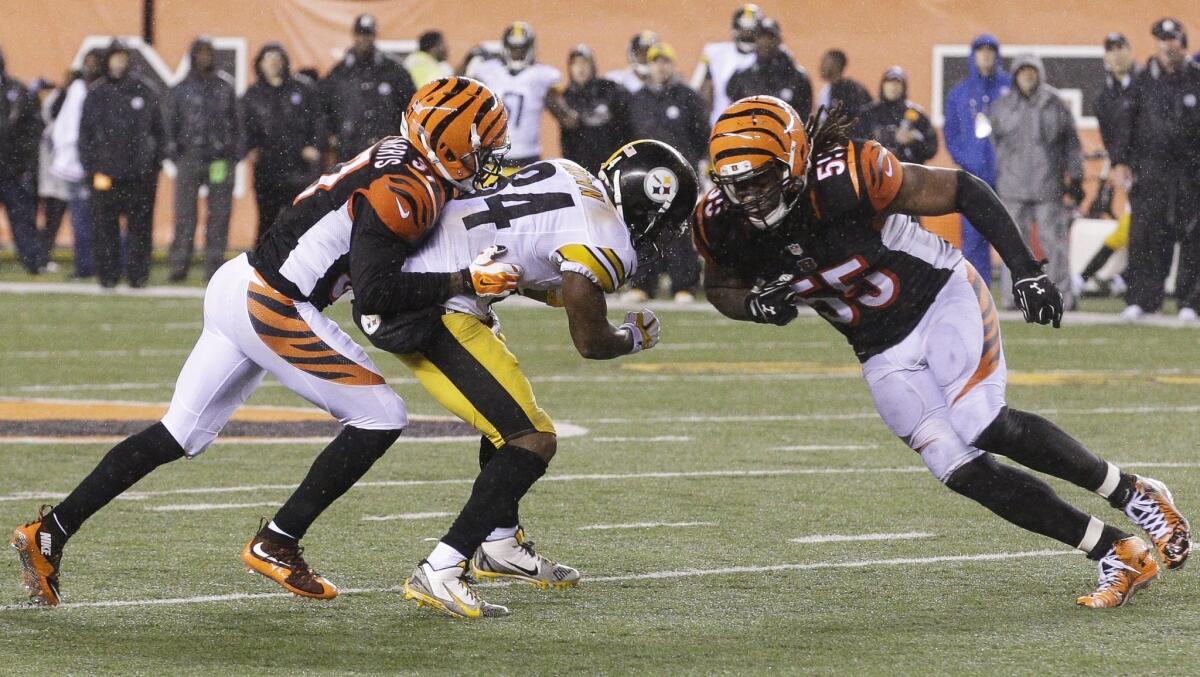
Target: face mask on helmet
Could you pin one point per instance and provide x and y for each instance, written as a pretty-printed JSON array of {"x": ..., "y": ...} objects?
[
  {"x": 517, "y": 47},
  {"x": 765, "y": 194}
]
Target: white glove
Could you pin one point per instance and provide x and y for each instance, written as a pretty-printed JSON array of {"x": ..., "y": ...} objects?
[
  {"x": 644, "y": 328},
  {"x": 492, "y": 279}
]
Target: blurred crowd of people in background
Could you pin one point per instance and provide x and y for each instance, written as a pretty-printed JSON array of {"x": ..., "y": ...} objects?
[{"x": 93, "y": 145}]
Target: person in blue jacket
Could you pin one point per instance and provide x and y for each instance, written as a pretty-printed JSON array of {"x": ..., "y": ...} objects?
[{"x": 968, "y": 133}]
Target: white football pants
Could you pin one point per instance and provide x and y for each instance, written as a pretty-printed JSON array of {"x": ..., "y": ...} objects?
[
  {"x": 940, "y": 387},
  {"x": 251, "y": 329}
]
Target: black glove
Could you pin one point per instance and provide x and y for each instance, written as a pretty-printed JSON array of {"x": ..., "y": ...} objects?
[
  {"x": 772, "y": 303},
  {"x": 1039, "y": 299}
]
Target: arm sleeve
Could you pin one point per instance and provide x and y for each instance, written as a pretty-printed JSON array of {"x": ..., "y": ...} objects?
[
  {"x": 377, "y": 257},
  {"x": 977, "y": 201}
]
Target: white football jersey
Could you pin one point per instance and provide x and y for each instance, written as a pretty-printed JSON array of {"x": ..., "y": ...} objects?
[
  {"x": 553, "y": 216},
  {"x": 720, "y": 60},
  {"x": 524, "y": 95}
]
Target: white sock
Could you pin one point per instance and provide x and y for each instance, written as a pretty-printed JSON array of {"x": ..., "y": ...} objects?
[
  {"x": 1091, "y": 536},
  {"x": 1111, "y": 479},
  {"x": 443, "y": 557},
  {"x": 501, "y": 533},
  {"x": 271, "y": 526}
]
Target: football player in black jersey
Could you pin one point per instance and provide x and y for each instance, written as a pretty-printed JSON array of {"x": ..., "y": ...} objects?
[
  {"x": 262, "y": 314},
  {"x": 809, "y": 215}
]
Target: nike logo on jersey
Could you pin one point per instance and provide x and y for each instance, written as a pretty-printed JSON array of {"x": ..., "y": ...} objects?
[
  {"x": 404, "y": 213},
  {"x": 258, "y": 552}
]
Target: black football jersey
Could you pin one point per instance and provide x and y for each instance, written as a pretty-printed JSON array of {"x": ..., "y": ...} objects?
[
  {"x": 871, "y": 275},
  {"x": 387, "y": 199}
]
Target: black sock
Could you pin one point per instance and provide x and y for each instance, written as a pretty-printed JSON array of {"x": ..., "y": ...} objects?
[
  {"x": 496, "y": 491},
  {"x": 121, "y": 468},
  {"x": 507, "y": 518},
  {"x": 1096, "y": 263},
  {"x": 1025, "y": 501},
  {"x": 1120, "y": 496},
  {"x": 1037, "y": 443},
  {"x": 342, "y": 463},
  {"x": 1109, "y": 536}
]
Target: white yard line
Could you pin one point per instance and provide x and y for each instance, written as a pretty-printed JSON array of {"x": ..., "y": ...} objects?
[
  {"x": 199, "y": 507},
  {"x": 658, "y": 438},
  {"x": 848, "y": 538},
  {"x": 855, "y": 416},
  {"x": 406, "y": 516},
  {"x": 828, "y": 447},
  {"x": 646, "y": 525},
  {"x": 589, "y": 580},
  {"x": 596, "y": 477}
]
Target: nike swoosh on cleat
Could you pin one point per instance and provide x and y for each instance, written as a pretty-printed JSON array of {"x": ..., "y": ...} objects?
[{"x": 258, "y": 552}]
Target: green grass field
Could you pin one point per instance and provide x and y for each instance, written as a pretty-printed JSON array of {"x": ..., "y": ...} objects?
[{"x": 748, "y": 436}]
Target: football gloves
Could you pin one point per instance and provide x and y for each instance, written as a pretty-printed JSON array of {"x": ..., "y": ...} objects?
[
  {"x": 1039, "y": 300},
  {"x": 643, "y": 328},
  {"x": 772, "y": 303},
  {"x": 492, "y": 279}
]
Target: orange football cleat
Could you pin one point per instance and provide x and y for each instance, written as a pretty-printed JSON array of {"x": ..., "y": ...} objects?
[
  {"x": 284, "y": 563},
  {"x": 1128, "y": 567},
  {"x": 40, "y": 557}
]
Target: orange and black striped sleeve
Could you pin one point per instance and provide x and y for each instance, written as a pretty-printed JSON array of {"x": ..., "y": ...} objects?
[{"x": 392, "y": 217}]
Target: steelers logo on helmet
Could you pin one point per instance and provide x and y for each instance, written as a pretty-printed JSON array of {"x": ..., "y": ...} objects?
[{"x": 661, "y": 185}]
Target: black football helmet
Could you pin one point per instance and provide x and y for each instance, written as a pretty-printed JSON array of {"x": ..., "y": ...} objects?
[
  {"x": 653, "y": 188},
  {"x": 639, "y": 45},
  {"x": 517, "y": 45},
  {"x": 747, "y": 20}
]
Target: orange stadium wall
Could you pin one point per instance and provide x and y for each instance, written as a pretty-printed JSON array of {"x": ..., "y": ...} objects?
[{"x": 41, "y": 37}]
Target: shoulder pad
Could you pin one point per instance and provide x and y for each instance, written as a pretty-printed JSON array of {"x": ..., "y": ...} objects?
[
  {"x": 713, "y": 222},
  {"x": 407, "y": 199},
  {"x": 856, "y": 180}
]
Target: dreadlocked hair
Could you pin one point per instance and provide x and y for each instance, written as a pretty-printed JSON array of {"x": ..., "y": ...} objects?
[{"x": 829, "y": 128}]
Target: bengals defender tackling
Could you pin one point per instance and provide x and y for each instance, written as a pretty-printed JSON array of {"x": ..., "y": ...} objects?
[
  {"x": 810, "y": 216},
  {"x": 574, "y": 238},
  {"x": 262, "y": 314}
]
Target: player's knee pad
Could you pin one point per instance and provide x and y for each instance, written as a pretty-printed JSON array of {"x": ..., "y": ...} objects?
[{"x": 942, "y": 450}]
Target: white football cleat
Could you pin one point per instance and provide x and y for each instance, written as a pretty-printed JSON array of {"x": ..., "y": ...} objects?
[
  {"x": 515, "y": 559},
  {"x": 447, "y": 590},
  {"x": 1133, "y": 312}
]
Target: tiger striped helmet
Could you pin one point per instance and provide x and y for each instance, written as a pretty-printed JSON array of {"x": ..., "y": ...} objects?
[
  {"x": 461, "y": 127},
  {"x": 759, "y": 155}
]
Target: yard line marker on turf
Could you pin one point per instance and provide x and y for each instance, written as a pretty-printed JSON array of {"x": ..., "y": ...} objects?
[
  {"x": 828, "y": 447},
  {"x": 196, "y": 507},
  {"x": 406, "y": 516},
  {"x": 649, "y": 576},
  {"x": 597, "y": 477},
  {"x": 855, "y": 416},
  {"x": 645, "y": 525},
  {"x": 659, "y": 438},
  {"x": 839, "y": 538}
]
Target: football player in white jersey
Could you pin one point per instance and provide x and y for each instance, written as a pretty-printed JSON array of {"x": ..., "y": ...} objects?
[
  {"x": 263, "y": 314},
  {"x": 575, "y": 238},
  {"x": 720, "y": 60},
  {"x": 527, "y": 88},
  {"x": 635, "y": 75}
]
